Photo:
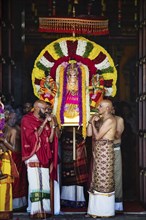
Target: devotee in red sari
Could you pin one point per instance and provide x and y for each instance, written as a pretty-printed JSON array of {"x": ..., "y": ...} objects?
[{"x": 40, "y": 153}]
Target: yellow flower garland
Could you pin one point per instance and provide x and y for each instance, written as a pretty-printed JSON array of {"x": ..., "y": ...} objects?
[
  {"x": 61, "y": 79},
  {"x": 83, "y": 101},
  {"x": 39, "y": 74}
]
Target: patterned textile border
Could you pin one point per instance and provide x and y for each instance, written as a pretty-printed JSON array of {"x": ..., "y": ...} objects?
[{"x": 76, "y": 25}]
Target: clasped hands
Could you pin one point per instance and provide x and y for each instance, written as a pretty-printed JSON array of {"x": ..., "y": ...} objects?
[
  {"x": 50, "y": 118},
  {"x": 95, "y": 117}
]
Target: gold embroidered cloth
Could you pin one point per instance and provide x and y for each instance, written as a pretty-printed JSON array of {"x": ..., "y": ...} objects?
[{"x": 103, "y": 167}]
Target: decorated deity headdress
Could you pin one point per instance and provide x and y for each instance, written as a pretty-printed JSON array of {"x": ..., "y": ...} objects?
[{"x": 72, "y": 66}]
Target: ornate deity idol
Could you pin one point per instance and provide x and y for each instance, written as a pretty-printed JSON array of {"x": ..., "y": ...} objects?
[{"x": 71, "y": 105}]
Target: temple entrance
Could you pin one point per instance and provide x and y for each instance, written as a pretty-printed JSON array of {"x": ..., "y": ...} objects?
[{"x": 133, "y": 151}]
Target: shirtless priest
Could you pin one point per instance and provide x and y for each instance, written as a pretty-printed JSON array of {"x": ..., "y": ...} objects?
[{"x": 102, "y": 128}]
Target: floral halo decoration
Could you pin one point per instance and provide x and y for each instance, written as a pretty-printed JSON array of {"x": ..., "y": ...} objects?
[{"x": 97, "y": 76}]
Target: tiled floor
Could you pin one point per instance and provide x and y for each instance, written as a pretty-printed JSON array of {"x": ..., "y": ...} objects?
[{"x": 125, "y": 216}]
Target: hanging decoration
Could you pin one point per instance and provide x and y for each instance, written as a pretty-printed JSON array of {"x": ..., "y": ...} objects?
[
  {"x": 74, "y": 74},
  {"x": 74, "y": 25}
]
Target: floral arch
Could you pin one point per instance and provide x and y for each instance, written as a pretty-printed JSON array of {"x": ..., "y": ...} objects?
[{"x": 96, "y": 77}]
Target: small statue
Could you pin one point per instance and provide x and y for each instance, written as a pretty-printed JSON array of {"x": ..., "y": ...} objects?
[
  {"x": 98, "y": 90},
  {"x": 48, "y": 89},
  {"x": 71, "y": 105}
]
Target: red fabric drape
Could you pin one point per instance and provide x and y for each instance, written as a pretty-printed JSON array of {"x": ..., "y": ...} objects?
[
  {"x": 46, "y": 152},
  {"x": 20, "y": 184}
]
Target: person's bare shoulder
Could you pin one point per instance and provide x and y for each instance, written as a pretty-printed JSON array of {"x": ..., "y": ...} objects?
[
  {"x": 114, "y": 120},
  {"x": 119, "y": 119},
  {"x": 110, "y": 121},
  {"x": 13, "y": 130}
]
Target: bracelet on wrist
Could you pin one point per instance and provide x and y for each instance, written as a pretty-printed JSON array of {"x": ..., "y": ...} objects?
[
  {"x": 54, "y": 125},
  {"x": 89, "y": 122}
]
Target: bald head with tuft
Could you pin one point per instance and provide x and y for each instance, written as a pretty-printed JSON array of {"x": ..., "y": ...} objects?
[
  {"x": 39, "y": 103},
  {"x": 105, "y": 106}
]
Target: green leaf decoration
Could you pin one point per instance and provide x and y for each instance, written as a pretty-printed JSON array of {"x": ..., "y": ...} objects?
[
  {"x": 110, "y": 69},
  {"x": 89, "y": 48},
  {"x": 42, "y": 67},
  {"x": 58, "y": 50}
]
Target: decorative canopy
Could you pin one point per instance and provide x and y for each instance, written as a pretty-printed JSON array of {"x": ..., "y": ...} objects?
[{"x": 73, "y": 25}]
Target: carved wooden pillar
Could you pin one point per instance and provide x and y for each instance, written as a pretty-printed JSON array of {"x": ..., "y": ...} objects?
[
  {"x": 6, "y": 34},
  {"x": 141, "y": 101},
  {"x": 1, "y": 47}
]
